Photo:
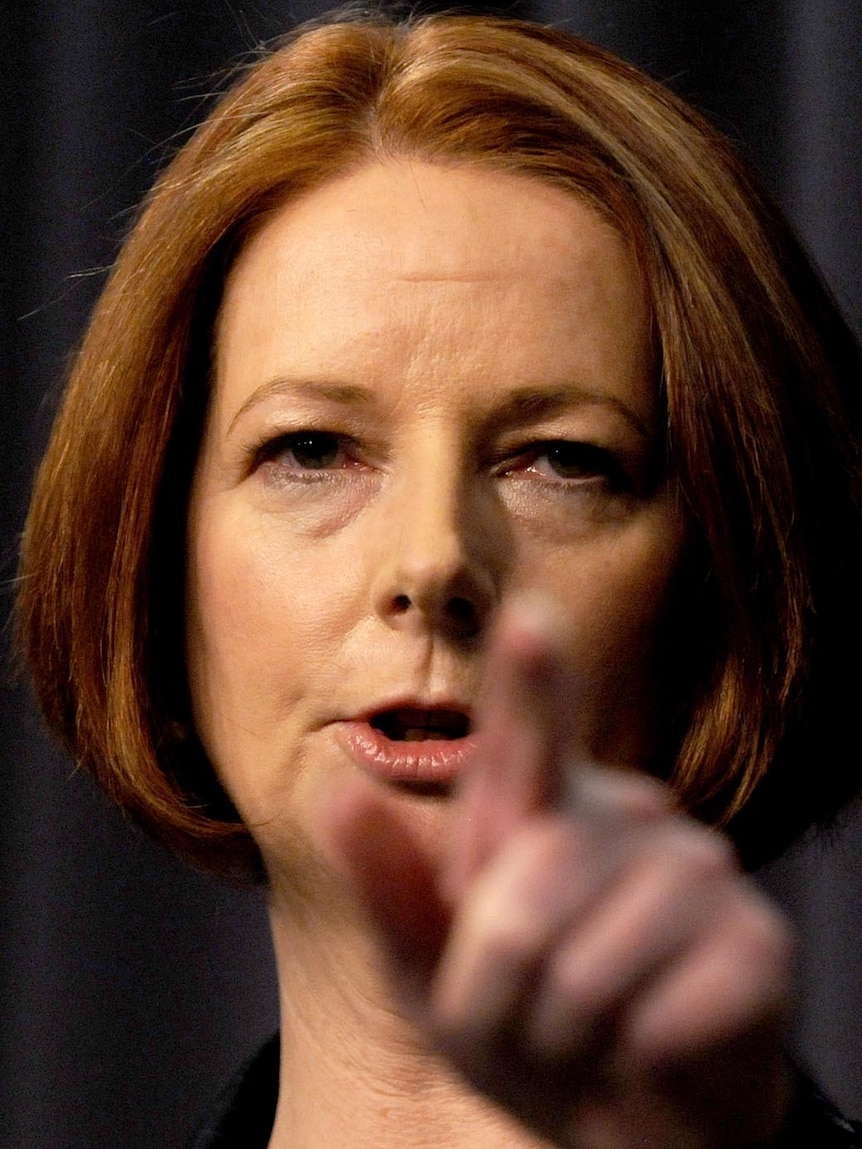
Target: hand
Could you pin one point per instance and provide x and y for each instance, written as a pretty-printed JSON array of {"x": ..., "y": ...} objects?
[{"x": 588, "y": 957}]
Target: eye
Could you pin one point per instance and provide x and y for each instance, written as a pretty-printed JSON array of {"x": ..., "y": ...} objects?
[
  {"x": 574, "y": 462},
  {"x": 305, "y": 451}
]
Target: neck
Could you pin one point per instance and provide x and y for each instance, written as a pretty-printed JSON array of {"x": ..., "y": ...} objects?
[{"x": 355, "y": 1072}]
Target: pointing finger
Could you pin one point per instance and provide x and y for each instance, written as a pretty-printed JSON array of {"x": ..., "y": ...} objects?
[{"x": 526, "y": 740}]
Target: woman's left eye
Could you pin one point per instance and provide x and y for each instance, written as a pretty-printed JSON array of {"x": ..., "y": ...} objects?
[{"x": 573, "y": 462}]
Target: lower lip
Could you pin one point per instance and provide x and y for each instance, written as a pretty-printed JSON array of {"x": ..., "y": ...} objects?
[{"x": 436, "y": 760}]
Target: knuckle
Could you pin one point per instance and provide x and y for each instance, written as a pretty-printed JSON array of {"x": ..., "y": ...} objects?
[
  {"x": 683, "y": 861},
  {"x": 508, "y": 932},
  {"x": 510, "y": 943},
  {"x": 583, "y": 985},
  {"x": 704, "y": 853},
  {"x": 584, "y": 992},
  {"x": 619, "y": 795},
  {"x": 646, "y": 797},
  {"x": 554, "y": 842}
]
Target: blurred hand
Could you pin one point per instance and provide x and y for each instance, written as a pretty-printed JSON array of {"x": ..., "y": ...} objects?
[{"x": 588, "y": 957}]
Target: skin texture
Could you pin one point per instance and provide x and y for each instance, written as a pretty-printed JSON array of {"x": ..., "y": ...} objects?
[{"x": 430, "y": 477}]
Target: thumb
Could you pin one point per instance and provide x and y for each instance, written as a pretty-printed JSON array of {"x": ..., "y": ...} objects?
[{"x": 393, "y": 879}]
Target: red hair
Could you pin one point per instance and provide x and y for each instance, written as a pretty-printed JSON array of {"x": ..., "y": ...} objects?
[{"x": 759, "y": 373}]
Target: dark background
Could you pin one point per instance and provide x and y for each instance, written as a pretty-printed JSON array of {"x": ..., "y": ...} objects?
[{"x": 130, "y": 986}]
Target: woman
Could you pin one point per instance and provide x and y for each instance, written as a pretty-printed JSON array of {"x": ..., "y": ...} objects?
[{"x": 513, "y": 450}]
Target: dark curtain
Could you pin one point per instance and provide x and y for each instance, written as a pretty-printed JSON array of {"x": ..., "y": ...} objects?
[{"x": 131, "y": 986}]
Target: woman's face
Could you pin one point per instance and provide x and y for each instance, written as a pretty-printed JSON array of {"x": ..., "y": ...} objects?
[{"x": 434, "y": 389}]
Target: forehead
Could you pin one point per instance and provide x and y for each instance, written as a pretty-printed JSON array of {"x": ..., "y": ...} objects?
[
  {"x": 411, "y": 218},
  {"x": 481, "y": 265}
]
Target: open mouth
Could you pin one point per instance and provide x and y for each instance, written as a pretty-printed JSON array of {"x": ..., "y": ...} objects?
[
  {"x": 421, "y": 750},
  {"x": 409, "y": 724}
]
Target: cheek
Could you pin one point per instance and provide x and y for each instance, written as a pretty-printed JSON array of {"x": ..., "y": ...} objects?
[
  {"x": 618, "y": 594},
  {"x": 232, "y": 642},
  {"x": 262, "y": 607},
  {"x": 243, "y": 663}
]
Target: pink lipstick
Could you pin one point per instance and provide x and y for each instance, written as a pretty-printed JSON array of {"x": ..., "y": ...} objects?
[{"x": 412, "y": 744}]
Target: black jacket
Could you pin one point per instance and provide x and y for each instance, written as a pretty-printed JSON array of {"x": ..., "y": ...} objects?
[{"x": 244, "y": 1114}]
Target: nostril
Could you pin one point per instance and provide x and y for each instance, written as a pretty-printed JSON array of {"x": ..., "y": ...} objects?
[{"x": 457, "y": 614}]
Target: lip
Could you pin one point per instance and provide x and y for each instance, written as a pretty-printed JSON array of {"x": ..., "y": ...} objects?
[{"x": 432, "y": 762}]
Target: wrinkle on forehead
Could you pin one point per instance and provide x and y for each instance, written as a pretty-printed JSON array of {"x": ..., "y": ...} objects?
[
  {"x": 413, "y": 235},
  {"x": 425, "y": 275}
]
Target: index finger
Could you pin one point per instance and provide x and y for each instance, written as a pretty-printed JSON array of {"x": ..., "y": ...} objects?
[{"x": 527, "y": 739}]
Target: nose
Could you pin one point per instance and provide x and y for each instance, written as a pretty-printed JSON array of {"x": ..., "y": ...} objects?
[{"x": 436, "y": 570}]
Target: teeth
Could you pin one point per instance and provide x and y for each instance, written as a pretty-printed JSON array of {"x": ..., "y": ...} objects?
[{"x": 415, "y": 725}]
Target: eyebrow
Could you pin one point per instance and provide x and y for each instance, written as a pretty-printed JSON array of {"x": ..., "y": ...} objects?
[
  {"x": 531, "y": 404},
  {"x": 521, "y": 405},
  {"x": 347, "y": 394}
]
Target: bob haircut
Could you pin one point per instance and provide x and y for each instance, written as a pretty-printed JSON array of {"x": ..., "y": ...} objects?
[{"x": 759, "y": 375}]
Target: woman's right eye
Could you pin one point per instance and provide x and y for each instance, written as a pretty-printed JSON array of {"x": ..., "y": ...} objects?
[{"x": 305, "y": 451}]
